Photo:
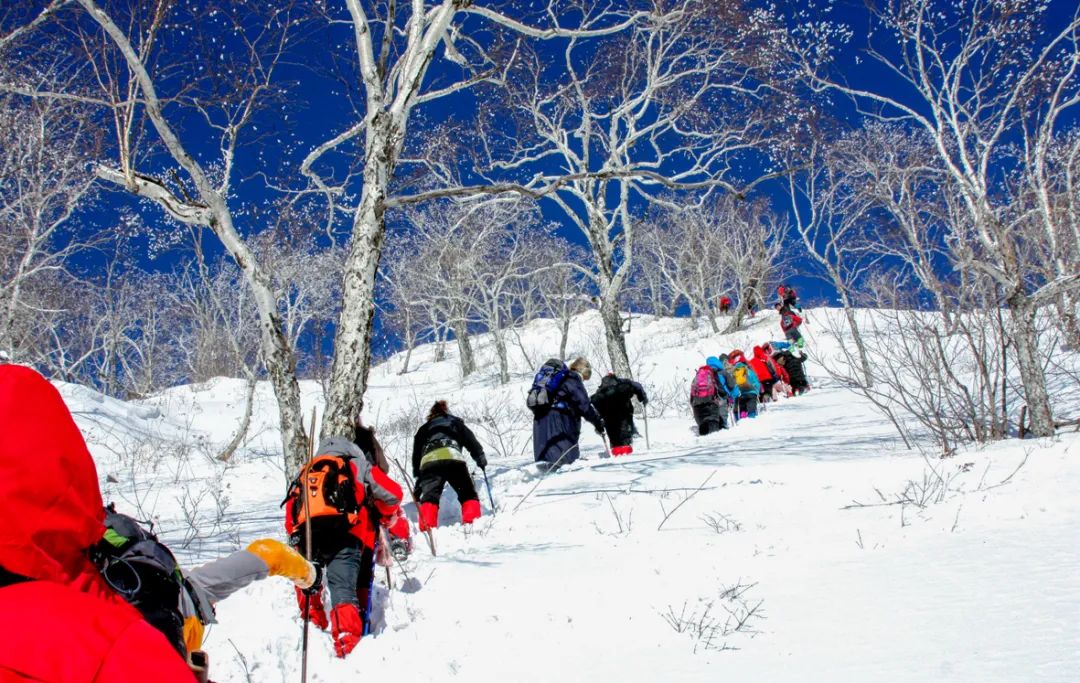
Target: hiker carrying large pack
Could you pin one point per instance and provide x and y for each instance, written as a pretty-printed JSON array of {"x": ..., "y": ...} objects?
[
  {"x": 613, "y": 400},
  {"x": 181, "y": 603},
  {"x": 63, "y": 621},
  {"x": 559, "y": 401},
  {"x": 747, "y": 381},
  {"x": 709, "y": 394},
  {"x": 347, "y": 498},
  {"x": 787, "y": 297},
  {"x": 437, "y": 460},
  {"x": 790, "y": 322}
]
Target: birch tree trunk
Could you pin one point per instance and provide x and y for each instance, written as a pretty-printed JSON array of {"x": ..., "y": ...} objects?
[
  {"x": 352, "y": 343},
  {"x": 613, "y": 334},
  {"x": 1026, "y": 337},
  {"x": 465, "y": 349}
]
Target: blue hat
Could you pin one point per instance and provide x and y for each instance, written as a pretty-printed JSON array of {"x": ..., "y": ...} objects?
[{"x": 714, "y": 363}]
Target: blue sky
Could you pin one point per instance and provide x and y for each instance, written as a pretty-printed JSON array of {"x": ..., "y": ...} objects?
[{"x": 319, "y": 104}]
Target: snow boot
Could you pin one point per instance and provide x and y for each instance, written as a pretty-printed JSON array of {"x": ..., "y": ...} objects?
[
  {"x": 316, "y": 610},
  {"x": 429, "y": 516},
  {"x": 470, "y": 511},
  {"x": 347, "y": 628}
]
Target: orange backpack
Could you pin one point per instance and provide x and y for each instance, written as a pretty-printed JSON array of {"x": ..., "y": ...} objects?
[{"x": 328, "y": 484}]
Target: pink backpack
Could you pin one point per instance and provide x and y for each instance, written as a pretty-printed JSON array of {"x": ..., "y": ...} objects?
[{"x": 704, "y": 388}]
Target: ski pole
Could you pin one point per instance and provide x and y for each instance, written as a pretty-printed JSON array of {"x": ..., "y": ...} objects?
[
  {"x": 645, "y": 418},
  {"x": 607, "y": 451},
  {"x": 487, "y": 483},
  {"x": 307, "y": 546}
]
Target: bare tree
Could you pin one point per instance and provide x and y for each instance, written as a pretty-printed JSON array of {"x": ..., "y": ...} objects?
[
  {"x": 752, "y": 252},
  {"x": 396, "y": 43},
  {"x": 976, "y": 75},
  {"x": 831, "y": 217},
  {"x": 667, "y": 105},
  {"x": 46, "y": 147}
]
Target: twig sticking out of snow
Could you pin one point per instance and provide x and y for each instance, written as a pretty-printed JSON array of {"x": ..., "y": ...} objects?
[{"x": 696, "y": 491}]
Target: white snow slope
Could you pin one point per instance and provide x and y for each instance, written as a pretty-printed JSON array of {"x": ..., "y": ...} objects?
[{"x": 731, "y": 556}]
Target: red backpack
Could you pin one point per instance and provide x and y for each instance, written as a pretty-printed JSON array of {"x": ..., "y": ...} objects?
[{"x": 704, "y": 388}]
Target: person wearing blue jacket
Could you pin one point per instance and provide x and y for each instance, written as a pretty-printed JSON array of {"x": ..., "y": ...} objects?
[
  {"x": 747, "y": 382},
  {"x": 556, "y": 429}
]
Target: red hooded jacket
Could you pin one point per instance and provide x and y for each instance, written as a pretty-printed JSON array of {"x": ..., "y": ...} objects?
[
  {"x": 763, "y": 365},
  {"x": 63, "y": 623}
]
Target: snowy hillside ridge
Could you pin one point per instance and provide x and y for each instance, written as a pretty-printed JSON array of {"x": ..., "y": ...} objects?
[{"x": 805, "y": 545}]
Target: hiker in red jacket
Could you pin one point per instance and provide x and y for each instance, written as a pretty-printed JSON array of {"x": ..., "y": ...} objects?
[
  {"x": 64, "y": 622},
  {"x": 765, "y": 368},
  {"x": 725, "y": 304},
  {"x": 350, "y": 498},
  {"x": 790, "y": 321}
]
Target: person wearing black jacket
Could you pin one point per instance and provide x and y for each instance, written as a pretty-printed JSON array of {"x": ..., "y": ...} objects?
[
  {"x": 613, "y": 402},
  {"x": 794, "y": 366},
  {"x": 556, "y": 429},
  {"x": 437, "y": 460}
]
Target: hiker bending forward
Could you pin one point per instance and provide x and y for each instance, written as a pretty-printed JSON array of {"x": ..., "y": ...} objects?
[
  {"x": 557, "y": 427},
  {"x": 347, "y": 498},
  {"x": 437, "y": 460},
  {"x": 613, "y": 402}
]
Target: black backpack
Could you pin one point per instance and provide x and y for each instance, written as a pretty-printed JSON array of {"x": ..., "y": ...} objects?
[
  {"x": 545, "y": 384},
  {"x": 611, "y": 395},
  {"x": 144, "y": 572}
]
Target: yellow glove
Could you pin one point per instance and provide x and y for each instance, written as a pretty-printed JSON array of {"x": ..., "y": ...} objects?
[
  {"x": 193, "y": 634},
  {"x": 284, "y": 561}
]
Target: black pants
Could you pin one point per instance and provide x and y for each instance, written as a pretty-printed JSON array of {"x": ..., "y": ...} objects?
[
  {"x": 747, "y": 404},
  {"x": 709, "y": 417},
  {"x": 433, "y": 477},
  {"x": 620, "y": 428},
  {"x": 349, "y": 572}
]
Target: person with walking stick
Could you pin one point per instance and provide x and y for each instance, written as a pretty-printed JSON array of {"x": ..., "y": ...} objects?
[
  {"x": 613, "y": 400},
  {"x": 437, "y": 460}
]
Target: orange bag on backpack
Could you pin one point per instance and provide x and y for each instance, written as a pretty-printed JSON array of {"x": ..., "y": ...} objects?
[{"x": 328, "y": 488}]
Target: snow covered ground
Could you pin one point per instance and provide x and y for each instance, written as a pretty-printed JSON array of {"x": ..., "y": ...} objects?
[{"x": 776, "y": 551}]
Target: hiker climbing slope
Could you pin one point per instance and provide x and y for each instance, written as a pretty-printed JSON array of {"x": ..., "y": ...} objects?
[
  {"x": 559, "y": 401},
  {"x": 437, "y": 460},
  {"x": 613, "y": 400},
  {"x": 348, "y": 498}
]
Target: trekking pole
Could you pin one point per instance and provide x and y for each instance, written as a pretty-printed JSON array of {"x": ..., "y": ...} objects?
[
  {"x": 307, "y": 547},
  {"x": 428, "y": 534},
  {"x": 645, "y": 418},
  {"x": 487, "y": 483},
  {"x": 607, "y": 450}
]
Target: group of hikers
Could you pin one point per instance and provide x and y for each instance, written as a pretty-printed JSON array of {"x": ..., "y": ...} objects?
[
  {"x": 131, "y": 613},
  {"x": 100, "y": 598}
]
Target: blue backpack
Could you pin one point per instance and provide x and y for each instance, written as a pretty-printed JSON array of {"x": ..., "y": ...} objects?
[{"x": 544, "y": 385}]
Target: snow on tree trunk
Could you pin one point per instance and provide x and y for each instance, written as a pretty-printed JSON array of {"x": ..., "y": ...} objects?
[
  {"x": 613, "y": 335},
  {"x": 465, "y": 350},
  {"x": 245, "y": 422},
  {"x": 352, "y": 344},
  {"x": 499, "y": 337},
  {"x": 1026, "y": 337},
  {"x": 564, "y": 336},
  {"x": 860, "y": 345}
]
